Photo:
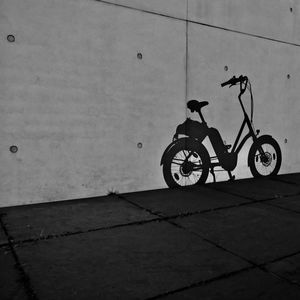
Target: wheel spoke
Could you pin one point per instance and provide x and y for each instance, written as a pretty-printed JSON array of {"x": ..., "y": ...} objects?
[
  {"x": 175, "y": 163},
  {"x": 178, "y": 159},
  {"x": 184, "y": 153}
]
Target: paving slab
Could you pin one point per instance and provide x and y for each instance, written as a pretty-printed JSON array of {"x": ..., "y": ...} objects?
[
  {"x": 291, "y": 178},
  {"x": 292, "y": 203},
  {"x": 288, "y": 268},
  {"x": 258, "y": 232},
  {"x": 11, "y": 285},
  {"x": 257, "y": 189},
  {"x": 186, "y": 200},
  {"x": 249, "y": 285},
  {"x": 132, "y": 262},
  {"x": 38, "y": 221}
]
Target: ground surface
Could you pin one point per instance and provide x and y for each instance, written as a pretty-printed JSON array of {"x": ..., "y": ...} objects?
[{"x": 237, "y": 240}]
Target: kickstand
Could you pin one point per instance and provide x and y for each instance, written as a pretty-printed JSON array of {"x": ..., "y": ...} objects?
[
  {"x": 231, "y": 177},
  {"x": 213, "y": 173}
]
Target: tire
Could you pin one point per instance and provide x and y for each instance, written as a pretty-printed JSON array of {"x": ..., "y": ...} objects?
[
  {"x": 178, "y": 171},
  {"x": 267, "y": 164}
]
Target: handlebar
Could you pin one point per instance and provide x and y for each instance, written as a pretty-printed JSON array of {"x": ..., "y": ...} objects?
[
  {"x": 244, "y": 84},
  {"x": 233, "y": 81}
]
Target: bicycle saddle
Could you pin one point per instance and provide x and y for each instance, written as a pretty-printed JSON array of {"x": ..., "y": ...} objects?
[{"x": 195, "y": 105}]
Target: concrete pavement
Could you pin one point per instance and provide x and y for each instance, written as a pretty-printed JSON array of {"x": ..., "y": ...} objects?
[{"x": 228, "y": 240}]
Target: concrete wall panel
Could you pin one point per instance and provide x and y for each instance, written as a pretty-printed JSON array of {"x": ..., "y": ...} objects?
[
  {"x": 90, "y": 115},
  {"x": 268, "y": 65},
  {"x": 77, "y": 100}
]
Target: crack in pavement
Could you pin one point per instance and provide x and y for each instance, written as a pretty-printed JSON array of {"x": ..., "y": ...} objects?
[
  {"x": 24, "y": 277},
  {"x": 201, "y": 283}
]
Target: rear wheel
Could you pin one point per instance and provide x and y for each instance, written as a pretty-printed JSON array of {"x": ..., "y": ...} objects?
[
  {"x": 264, "y": 157},
  {"x": 186, "y": 164}
]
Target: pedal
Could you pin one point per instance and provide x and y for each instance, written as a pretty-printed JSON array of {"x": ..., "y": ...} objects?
[{"x": 231, "y": 177}]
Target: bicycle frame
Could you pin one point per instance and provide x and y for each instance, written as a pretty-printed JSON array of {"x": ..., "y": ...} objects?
[
  {"x": 238, "y": 146},
  {"x": 231, "y": 158}
]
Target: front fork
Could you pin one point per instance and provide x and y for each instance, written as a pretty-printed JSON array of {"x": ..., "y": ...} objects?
[{"x": 260, "y": 149}]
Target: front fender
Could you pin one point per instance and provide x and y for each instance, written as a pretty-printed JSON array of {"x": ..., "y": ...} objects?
[{"x": 185, "y": 140}]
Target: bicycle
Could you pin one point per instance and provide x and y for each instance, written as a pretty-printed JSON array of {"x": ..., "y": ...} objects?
[{"x": 186, "y": 160}]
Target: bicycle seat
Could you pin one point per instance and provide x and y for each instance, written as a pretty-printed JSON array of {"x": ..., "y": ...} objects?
[{"x": 195, "y": 105}]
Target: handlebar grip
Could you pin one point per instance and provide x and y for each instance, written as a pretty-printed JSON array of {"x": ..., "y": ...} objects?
[
  {"x": 224, "y": 84},
  {"x": 230, "y": 81},
  {"x": 234, "y": 80}
]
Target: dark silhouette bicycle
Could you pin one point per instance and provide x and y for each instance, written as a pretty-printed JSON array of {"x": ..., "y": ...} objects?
[{"x": 186, "y": 161}]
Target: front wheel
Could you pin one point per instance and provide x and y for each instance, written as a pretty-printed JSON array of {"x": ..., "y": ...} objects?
[
  {"x": 186, "y": 164},
  {"x": 264, "y": 157}
]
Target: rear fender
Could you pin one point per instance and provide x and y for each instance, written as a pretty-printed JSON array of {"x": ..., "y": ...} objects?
[
  {"x": 183, "y": 141},
  {"x": 163, "y": 158}
]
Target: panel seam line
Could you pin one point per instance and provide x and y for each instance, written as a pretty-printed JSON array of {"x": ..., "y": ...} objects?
[{"x": 200, "y": 23}]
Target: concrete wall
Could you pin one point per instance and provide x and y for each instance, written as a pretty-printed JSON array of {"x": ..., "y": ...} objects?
[{"x": 89, "y": 115}]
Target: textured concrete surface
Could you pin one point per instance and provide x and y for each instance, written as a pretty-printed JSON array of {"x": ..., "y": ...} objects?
[
  {"x": 269, "y": 18},
  {"x": 78, "y": 100},
  {"x": 249, "y": 285},
  {"x": 292, "y": 203},
  {"x": 184, "y": 201},
  {"x": 288, "y": 268},
  {"x": 136, "y": 262},
  {"x": 89, "y": 115},
  {"x": 172, "y": 8},
  {"x": 257, "y": 232},
  {"x": 290, "y": 178},
  {"x": 274, "y": 94},
  {"x": 244, "y": 250},
  {"x": 41, "y": 221},
  {"x": 261, "y": 190},
  {"x": 273, "y": 19}
]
